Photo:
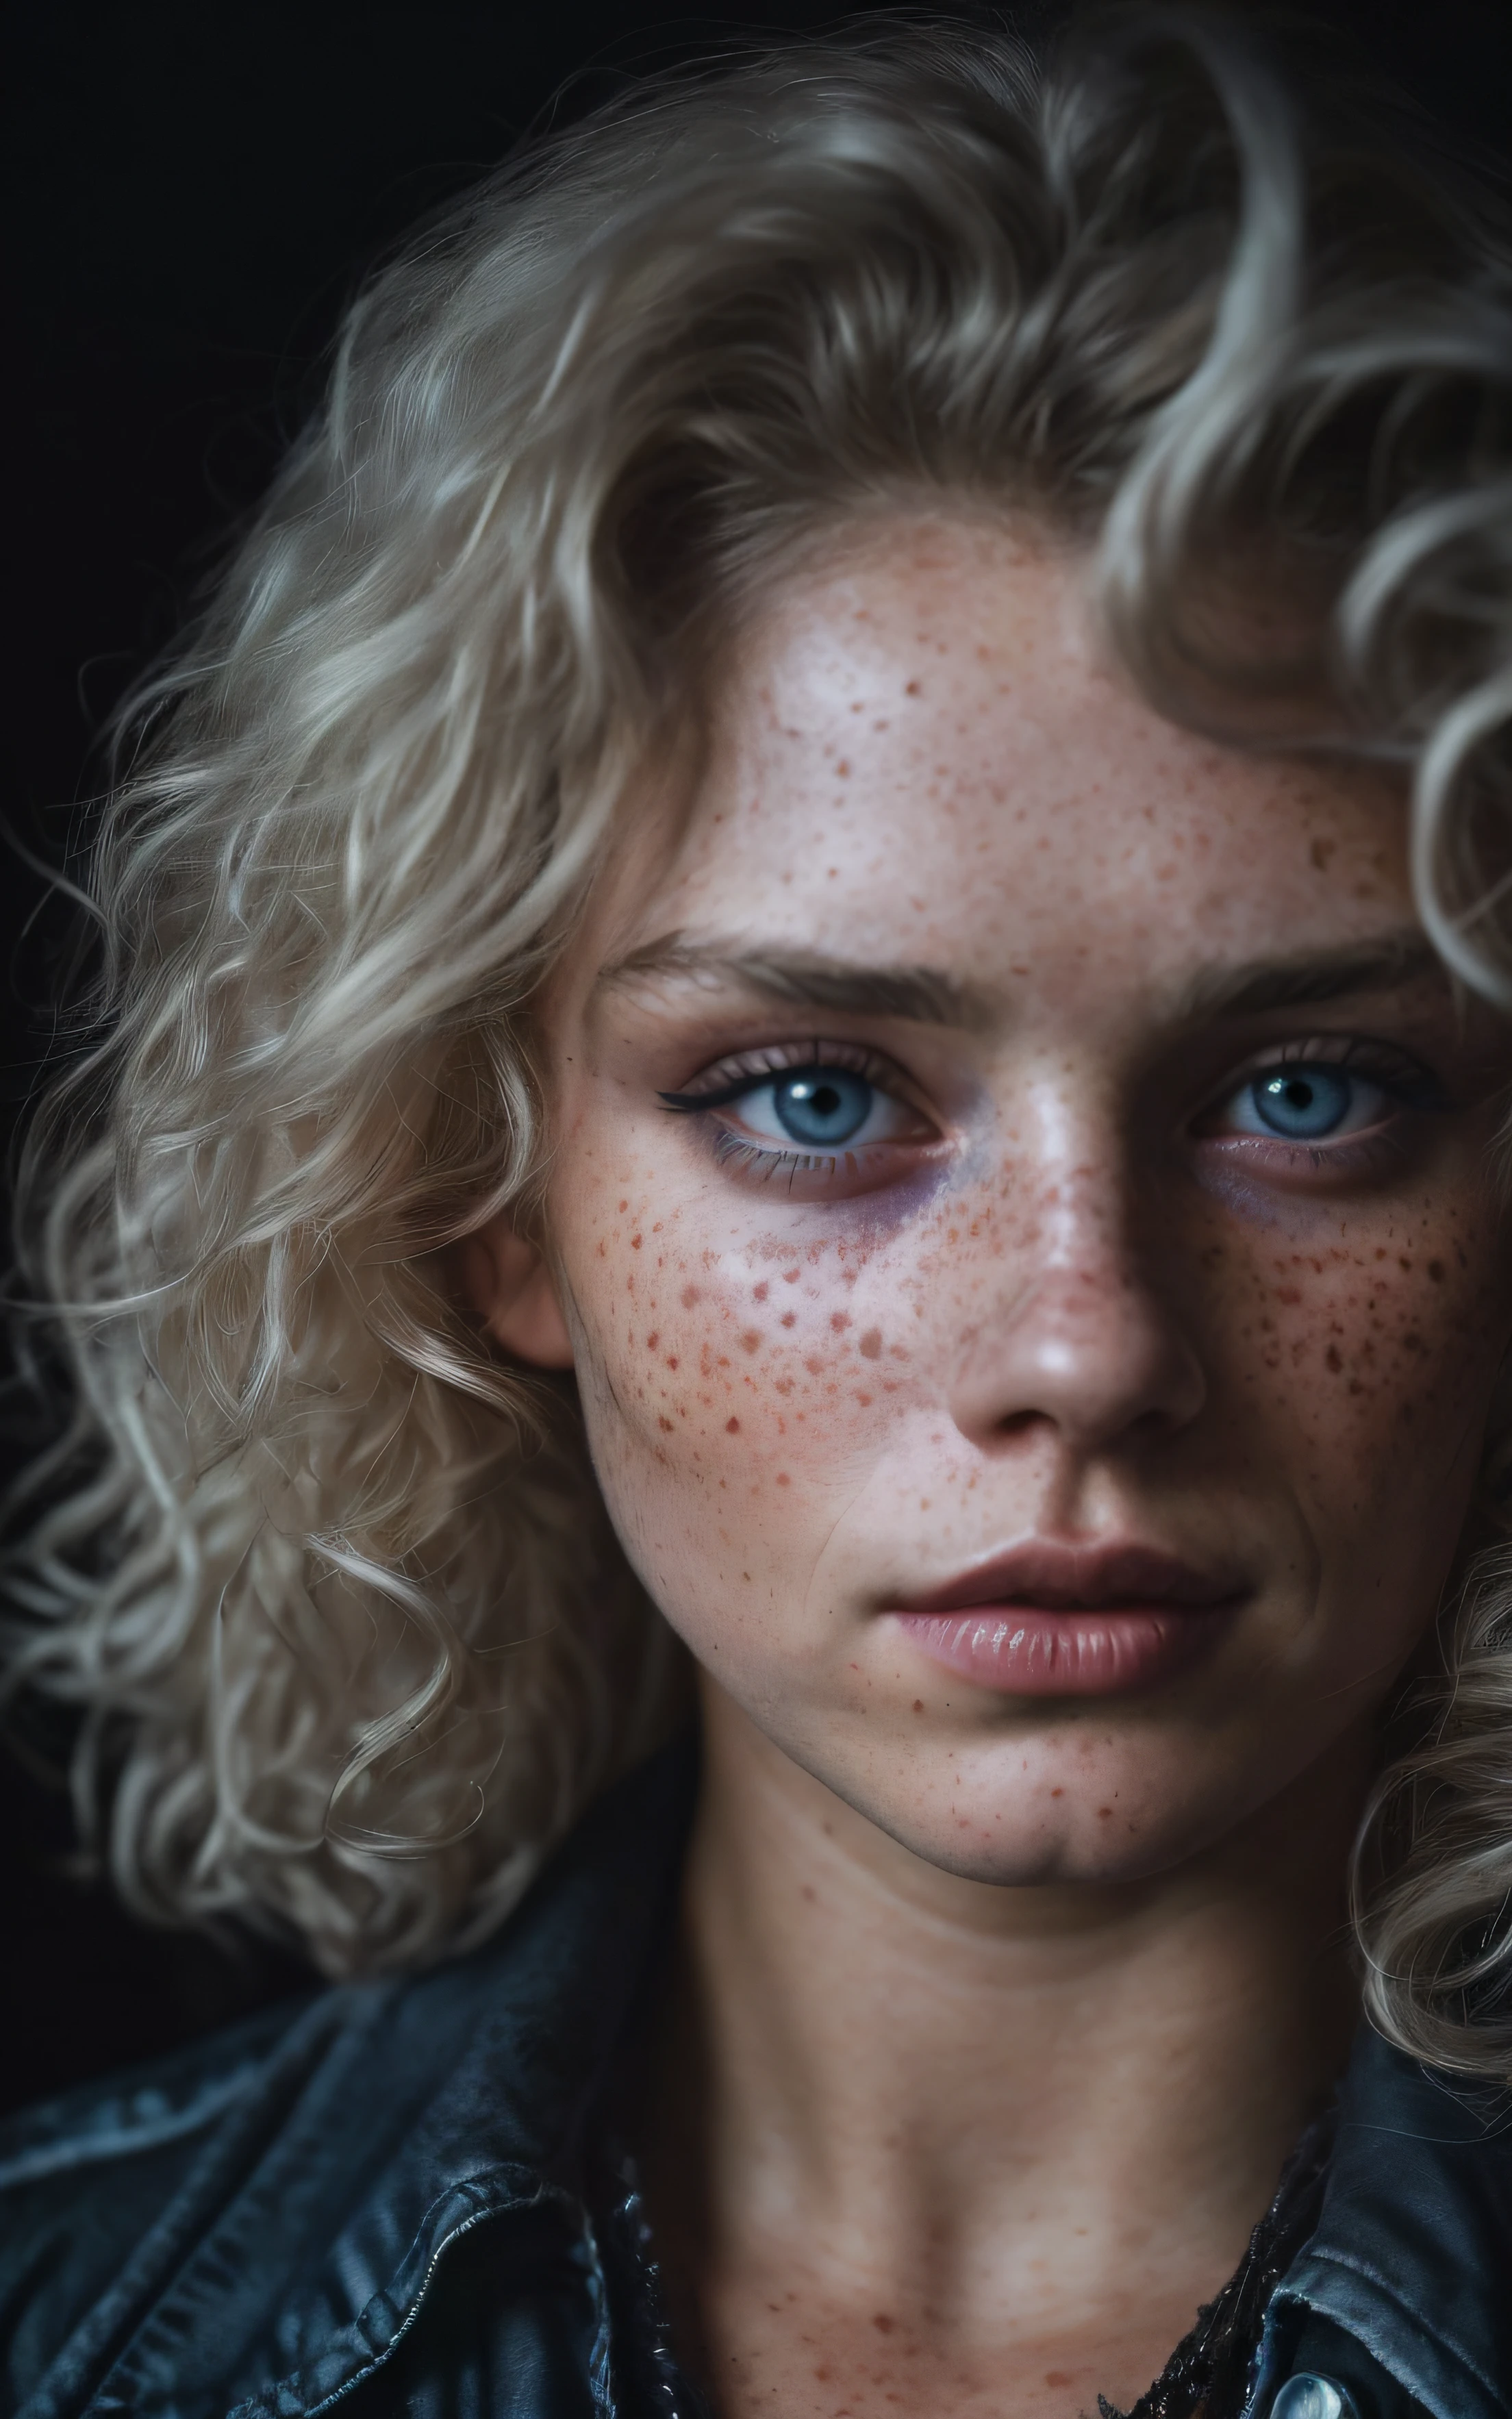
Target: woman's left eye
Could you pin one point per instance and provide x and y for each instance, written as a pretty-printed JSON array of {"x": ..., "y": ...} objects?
[{"x": 1306, "y": 1102}]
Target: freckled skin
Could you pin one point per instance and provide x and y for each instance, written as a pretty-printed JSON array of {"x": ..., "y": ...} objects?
[
  {"x": 1070, "y": 1321},
  {"x": 1077, "y": 1308}
]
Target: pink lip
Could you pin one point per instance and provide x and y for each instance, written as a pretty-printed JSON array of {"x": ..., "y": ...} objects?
[{"x": 1051, "y": 1620}]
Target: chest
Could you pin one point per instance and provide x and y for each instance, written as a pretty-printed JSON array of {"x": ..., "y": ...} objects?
[{"x": 786, "y": 2347}]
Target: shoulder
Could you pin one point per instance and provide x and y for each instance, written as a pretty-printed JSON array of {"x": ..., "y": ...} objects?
[
  {"x": 1413, "y": 2242},
  {"x": 104, "y": 2190},
  {"x": 169, "y": 2238},
  {"x": 274, "y": 2200}
]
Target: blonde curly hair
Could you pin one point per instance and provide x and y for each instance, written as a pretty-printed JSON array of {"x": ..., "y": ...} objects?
[{"x": 330, "y": 1585}]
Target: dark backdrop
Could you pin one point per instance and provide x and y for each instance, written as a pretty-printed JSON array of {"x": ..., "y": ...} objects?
[{"x": 199, "y": 190}]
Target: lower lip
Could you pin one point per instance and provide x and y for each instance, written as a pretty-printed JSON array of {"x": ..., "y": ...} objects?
[{"x": 1025, "y": 1650}]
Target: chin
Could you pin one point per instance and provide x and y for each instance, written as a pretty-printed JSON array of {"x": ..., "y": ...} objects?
[
  {"x": 1028, "y": 1859},
  {"x": 1087, "y": 1832}
]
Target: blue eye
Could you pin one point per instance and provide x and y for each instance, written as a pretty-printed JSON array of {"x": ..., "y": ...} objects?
[
  {"x": 1309, "y": 1101},
  {"x": 825, "y": 1107},
  {"x": 1305, "y": 1103},
  {"x": 819, "y": 1109}
]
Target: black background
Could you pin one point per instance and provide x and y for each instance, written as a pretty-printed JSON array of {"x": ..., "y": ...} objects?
[{"x": 197, "y": 191}]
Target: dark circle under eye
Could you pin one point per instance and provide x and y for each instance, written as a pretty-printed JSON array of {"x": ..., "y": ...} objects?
[
  {"x": 823, "y": 1107},
  {"x": 1305, "y": 1103}
]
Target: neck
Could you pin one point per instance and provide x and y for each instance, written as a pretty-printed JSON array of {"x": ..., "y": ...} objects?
[{"x": 931, "y": 2082}]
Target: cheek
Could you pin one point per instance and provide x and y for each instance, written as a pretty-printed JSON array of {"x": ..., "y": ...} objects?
[
  {"x": 1368, "y": 1348},
  {"x": 734, "y": 1394}
]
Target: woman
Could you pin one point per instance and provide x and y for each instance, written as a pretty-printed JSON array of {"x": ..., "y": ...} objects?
[{"x": 805, "y": 1006}]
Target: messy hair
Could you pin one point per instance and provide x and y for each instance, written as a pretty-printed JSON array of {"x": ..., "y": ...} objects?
[{"x": 327, "y": 1580}]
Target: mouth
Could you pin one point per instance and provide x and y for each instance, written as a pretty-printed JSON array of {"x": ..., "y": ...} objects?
[{"x": 1055, "y": 1620}]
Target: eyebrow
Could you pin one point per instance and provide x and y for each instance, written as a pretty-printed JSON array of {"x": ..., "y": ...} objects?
[
  {"x": 927, "y": 995},
  {"x": 916, "y": 995},
  {"x": 1391, "y": 963}
]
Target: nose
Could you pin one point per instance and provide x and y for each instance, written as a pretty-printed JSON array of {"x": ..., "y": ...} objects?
[{"x": 1083, "y": 1335}]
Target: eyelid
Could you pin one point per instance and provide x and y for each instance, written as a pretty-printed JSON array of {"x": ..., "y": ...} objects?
[
  {"x": 1389, "y": 1064},
  {"x": 748, "y": 1070},
  {"x": 1331, "y": 1048}
]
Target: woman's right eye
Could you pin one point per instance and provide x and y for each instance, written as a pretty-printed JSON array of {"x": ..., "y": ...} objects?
[
  {"x": 823, "y": 1109},
  {"x": 812, "y": 1118}
]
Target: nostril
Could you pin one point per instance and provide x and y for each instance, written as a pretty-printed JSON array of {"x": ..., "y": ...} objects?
[{"x": 1093, "y": 1352}]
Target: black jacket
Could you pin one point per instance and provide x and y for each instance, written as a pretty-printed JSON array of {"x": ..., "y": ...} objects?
[{"x": 390, "y": 2197}]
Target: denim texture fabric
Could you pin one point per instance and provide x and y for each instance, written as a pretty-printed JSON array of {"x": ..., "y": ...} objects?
[{"x": 377, "y": 2199}]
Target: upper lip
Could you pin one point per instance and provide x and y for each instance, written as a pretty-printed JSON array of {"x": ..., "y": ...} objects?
[{"x": 1062, "y": 1578}]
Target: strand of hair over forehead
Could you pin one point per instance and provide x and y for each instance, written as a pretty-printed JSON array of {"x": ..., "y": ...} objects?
[
  {"x": 1434, "y": 559},
  {"x": 331, "y": 1587}
]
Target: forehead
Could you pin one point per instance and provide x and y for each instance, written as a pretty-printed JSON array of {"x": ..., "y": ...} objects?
[{"x": 921, "y": 751}]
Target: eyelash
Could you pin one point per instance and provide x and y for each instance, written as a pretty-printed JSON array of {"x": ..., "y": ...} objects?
[
  {"x": 748, "y": 1070},
  {"x": 1405, "y": 1079},
  {"x": 753, "y": 1158},
  {"x": 1359, "y": 1153}
]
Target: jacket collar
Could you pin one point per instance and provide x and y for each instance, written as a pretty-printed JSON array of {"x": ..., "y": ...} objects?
[
  {"x": 471, "y": 2093},
  {"x": 1412, "y": 2237},
  {"x": 521, "y": 2038},
  {"x": 392, "y": 2118},
  {"x": 1416, "y": 2213}
]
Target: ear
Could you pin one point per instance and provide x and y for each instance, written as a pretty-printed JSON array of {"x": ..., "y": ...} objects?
[{"x": 505, "y": 1279}]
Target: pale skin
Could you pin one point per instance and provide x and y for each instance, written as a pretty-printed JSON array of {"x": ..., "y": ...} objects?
[{"x": 997, "y": 2015}]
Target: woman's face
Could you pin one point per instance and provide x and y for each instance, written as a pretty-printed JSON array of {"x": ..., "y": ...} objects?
[{"x": 1021, "y": 1204}]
